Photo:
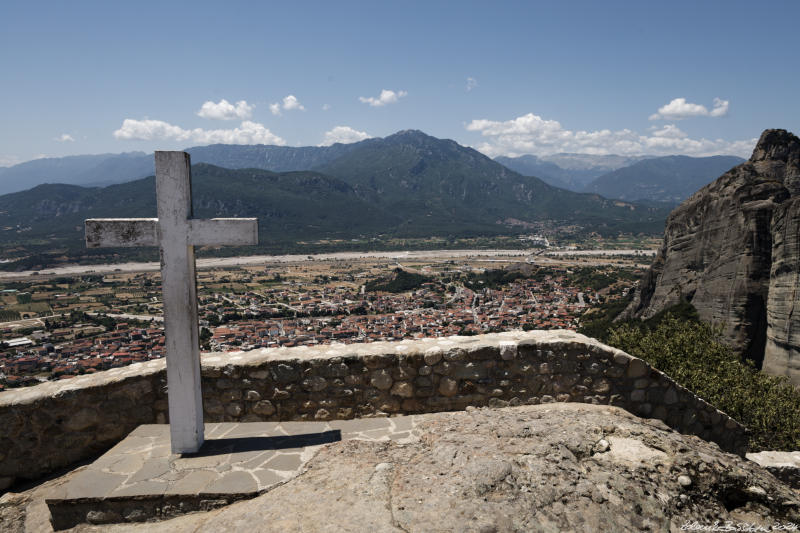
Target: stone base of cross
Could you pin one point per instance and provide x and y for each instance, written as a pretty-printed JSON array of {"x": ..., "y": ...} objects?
[{"x": 176, "y": 233}]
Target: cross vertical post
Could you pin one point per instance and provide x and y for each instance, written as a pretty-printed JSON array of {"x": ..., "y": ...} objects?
[
  {"x": 176, "y": 233},
  {"x": 179, "y": 290}
]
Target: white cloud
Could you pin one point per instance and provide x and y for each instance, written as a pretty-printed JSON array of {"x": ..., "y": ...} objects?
[
  {"x": 248, "y": 132},
  {"x": 290, "y": 103},
  {"x": 147, "y": 130},
  {"x": 386, "y": 97},
  {"x": 679, "y": 109},
  {"x": 224, "y": 110},
  {"x": 9, "y": 160},
  {"x": 720, "y": 108},
  {"x": 669, "y": 131},
  {"x": 531, "y": 134},
  {"x": 344, "y": 135},
  {"x": 65, "y": 138},
  {"x": 326, "y": 107},
  {"x": 471, "y": 83}
]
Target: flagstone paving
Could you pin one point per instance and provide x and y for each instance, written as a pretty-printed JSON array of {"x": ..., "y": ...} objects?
[{"x": 140, "y": 479}]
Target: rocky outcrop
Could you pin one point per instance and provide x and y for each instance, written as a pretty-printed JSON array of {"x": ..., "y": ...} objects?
[
  {"x": 732, "y": 251},
  {"x": 554, "y": 467}
]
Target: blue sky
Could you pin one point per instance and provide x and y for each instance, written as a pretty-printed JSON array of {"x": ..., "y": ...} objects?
[{"x": 507, "y": 77}]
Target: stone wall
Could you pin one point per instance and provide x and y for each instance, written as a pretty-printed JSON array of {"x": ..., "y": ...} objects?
[{"x": 55, "y": 424}]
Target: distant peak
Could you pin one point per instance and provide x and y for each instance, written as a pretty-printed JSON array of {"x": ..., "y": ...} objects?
[
  {"x": 413, "y": 133},
  {"x": 408, "y": 135},
  {"x": 779, "y": 145}
]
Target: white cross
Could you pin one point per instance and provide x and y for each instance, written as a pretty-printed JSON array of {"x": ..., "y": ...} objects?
[{"x": 176, "y": 233}]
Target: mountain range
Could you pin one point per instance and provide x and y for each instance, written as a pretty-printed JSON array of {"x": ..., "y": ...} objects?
[
  {"x": 660, "y": 179},
  {"x": 87, "y": 170},
  {"x": 669, "y": 179},
  {"x": 568, "y": 171},
  {"x": 291, "y": 204},
  {"x": 408, "y": 184},
  {"x": 108, "y": 169}
]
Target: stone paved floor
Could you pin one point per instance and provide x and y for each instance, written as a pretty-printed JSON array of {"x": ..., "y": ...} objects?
[{"x": 237, "y": 460}]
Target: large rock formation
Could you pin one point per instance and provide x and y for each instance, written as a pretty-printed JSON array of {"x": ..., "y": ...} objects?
[
  {"x": 733, "y": 251},
  {"x": 551, "y": 467}
]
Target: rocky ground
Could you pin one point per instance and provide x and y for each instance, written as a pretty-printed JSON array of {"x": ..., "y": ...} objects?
[{"x": 553, "y": 467}]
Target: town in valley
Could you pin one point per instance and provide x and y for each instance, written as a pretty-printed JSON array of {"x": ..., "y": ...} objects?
[{"x": 58, "y": 325}]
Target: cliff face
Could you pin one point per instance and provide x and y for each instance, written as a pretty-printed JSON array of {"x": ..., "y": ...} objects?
[
  {"x": 732, "y": 250},
  {"x": 782, "y": 354}
]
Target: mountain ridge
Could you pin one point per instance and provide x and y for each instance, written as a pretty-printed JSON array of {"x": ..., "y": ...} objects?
[
  {"x": 568, "y": 170},
  {"x": 531, "y": 165},
  {"x": 285, "y": 204},
  {"x": 444, "y": 177},
  {"x": 106, "y": 169},
  {"x": 76, "y": 170},
  {"x": 409, "y": 185},
  {"x": 670, "y": 178}
]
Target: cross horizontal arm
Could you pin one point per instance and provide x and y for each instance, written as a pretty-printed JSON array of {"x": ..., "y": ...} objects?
[
  {"x": 219, "y": 231},
  {"x": 121, "y": 232},
  {"x": 129, "y": 232}
]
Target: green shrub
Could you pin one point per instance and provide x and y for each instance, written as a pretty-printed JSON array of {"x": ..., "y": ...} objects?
[
  {"x": 24, "y": 298},
  {"x": 7, "y": 315},
  {"x": 491, "y": 279},
  {"x": 598, "y": 321},
  {"x": 693, "y": 354},
  {"x": 401, "y": 281},
  {"x": 587, "y": 278}
]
